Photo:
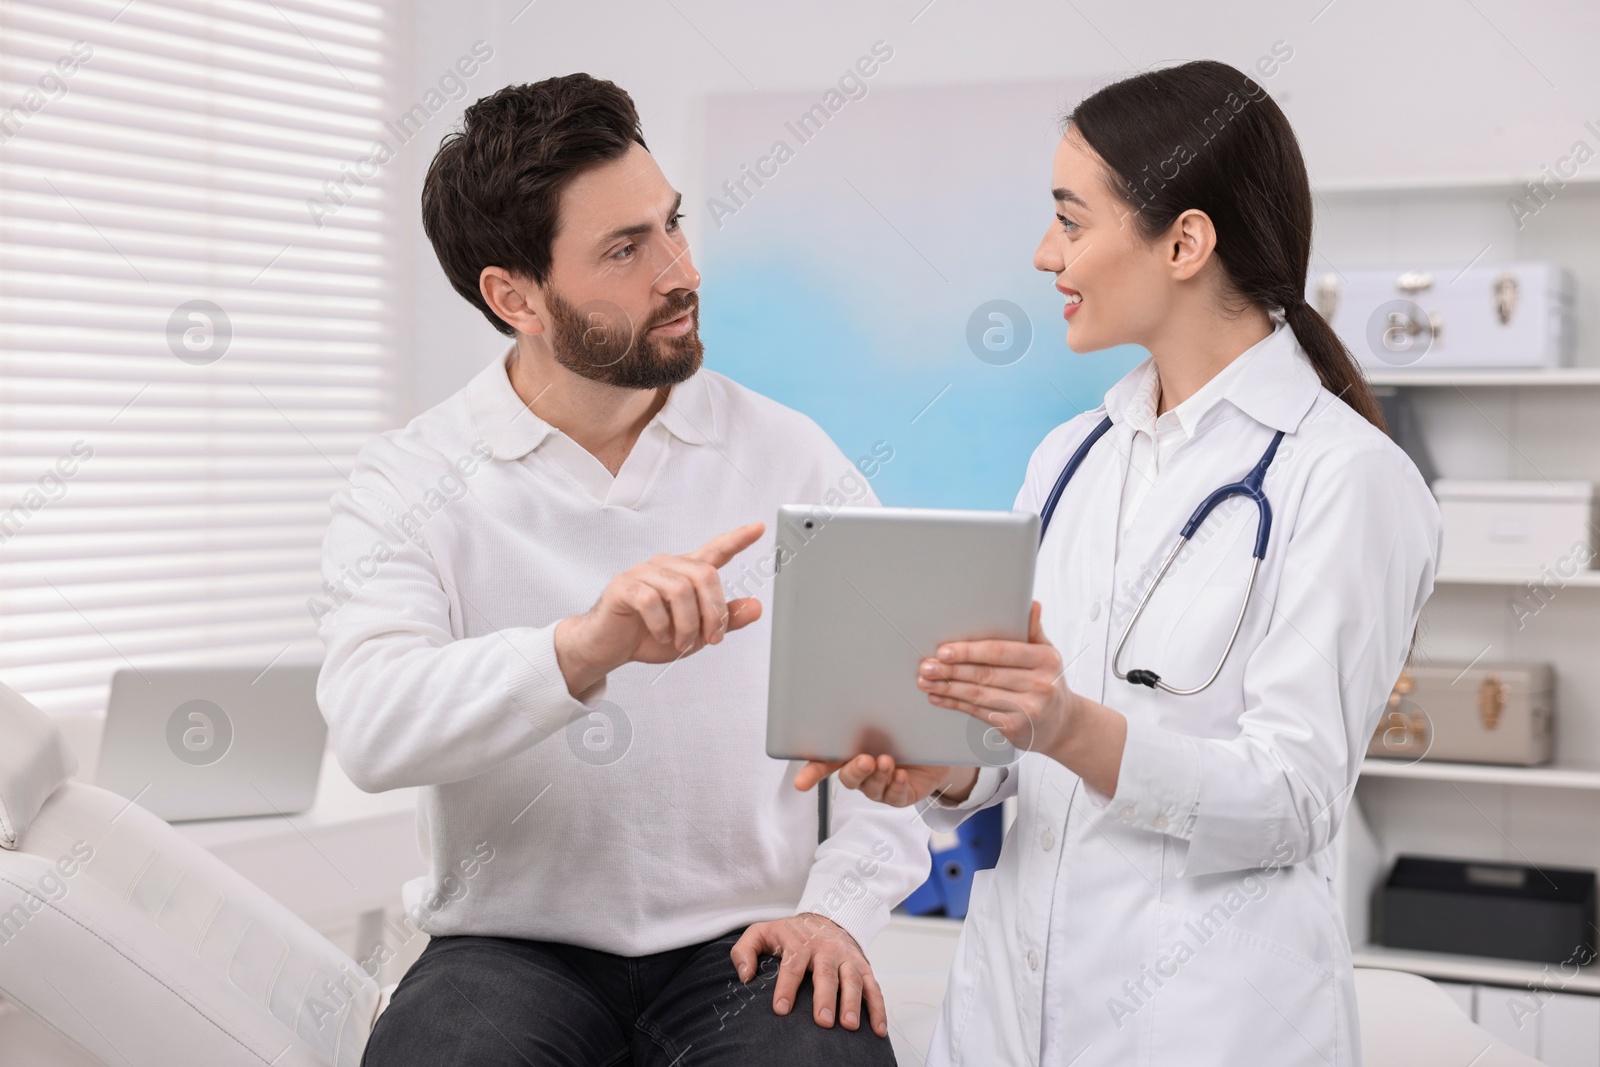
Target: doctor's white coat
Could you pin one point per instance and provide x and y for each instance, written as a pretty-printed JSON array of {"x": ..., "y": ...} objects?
[{"x": 1191, "y": 918}]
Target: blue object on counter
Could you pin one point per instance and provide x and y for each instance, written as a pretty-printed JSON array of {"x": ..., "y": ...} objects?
[
  {"x": 949, "y": 884},
  {"x": 927, "y": 898}
]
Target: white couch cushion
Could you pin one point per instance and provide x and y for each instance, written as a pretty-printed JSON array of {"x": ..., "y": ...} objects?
[
  {"x": 34, "y": 760},
  {"x": 141, "y": 947},
  {"x": 1407, "y": 1021}
]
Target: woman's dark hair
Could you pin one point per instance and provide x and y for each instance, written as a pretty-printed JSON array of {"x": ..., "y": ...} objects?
[
  {"x": 1206, "y": 136},
  {"x": 492, "y": 192}
]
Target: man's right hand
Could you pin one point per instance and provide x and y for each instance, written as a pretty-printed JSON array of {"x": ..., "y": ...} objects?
[{"x": 656, "y": 612}]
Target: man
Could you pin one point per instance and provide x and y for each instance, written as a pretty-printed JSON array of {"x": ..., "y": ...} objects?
[{"x": 616, "y": 866}]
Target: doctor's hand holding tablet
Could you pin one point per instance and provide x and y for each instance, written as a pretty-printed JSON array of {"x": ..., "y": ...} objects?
[{"x": 1013, "y": 688}]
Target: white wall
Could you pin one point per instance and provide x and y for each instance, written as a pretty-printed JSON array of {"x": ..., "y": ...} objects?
[{"x": 1379, "y": 91}]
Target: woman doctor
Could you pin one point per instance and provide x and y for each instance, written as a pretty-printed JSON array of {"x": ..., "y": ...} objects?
[{"x": 1165, "y": 893}]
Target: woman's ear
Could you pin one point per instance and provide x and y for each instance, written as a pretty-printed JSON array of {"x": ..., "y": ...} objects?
[
  {"x": 510, "y": 297},
  {"x": 1190, "y": 240}
]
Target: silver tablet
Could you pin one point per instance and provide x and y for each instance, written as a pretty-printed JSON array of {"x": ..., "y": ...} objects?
[{"x": 860, "y": 598}]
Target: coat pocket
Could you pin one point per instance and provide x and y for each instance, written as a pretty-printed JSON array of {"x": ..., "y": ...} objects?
[{"x": 1229, "y": 996}]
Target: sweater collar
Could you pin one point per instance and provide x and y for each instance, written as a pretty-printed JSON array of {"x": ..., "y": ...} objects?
[{"x": 512, "y": 430}]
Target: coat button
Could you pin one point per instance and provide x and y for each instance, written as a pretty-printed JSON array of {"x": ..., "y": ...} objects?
[
  {"x": 1047, "y": 840},
  {"x": 1094, "y": 611},
  {"x": 1159, "y": 822},
  {"x": 1127, "y": 814},
  {"x": 1033, "y": 960}
]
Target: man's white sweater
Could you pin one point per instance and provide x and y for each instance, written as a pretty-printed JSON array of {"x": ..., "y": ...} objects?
[{"x": 647, "y": 816}]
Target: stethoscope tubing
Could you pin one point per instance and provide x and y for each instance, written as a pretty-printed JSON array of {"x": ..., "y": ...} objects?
[
  {"x": 1250, "y": 487},
  {"x": 1151, "y": 678}
]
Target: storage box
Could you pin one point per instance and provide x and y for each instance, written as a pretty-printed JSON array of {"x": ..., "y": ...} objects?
[
  {"x": 1443, "y": 317},
  {"x": 1516, "y": 525},
  {"x": 1471, "y": 713},
  {"x": 1487, "y": 909}
]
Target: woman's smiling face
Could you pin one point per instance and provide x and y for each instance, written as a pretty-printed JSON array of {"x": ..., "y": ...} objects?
[{"x": 1117, "y": 284}]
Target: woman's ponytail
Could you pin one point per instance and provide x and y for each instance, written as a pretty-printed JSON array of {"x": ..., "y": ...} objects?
[{"x": 1333, "y": 363}]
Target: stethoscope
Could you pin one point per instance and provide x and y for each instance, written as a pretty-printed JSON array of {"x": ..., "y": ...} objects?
[{"x": 1249, "y": 486}]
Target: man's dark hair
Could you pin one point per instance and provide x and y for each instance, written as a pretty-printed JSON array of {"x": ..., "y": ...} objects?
[{"x": 492, "y": 192}]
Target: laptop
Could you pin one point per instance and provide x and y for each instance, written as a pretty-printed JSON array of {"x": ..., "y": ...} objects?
[{"x": 214, "y": 742}]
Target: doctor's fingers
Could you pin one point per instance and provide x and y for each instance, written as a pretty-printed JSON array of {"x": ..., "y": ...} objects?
[
  {"x": 900, "y": 787},
  {"x": 885, "y": 787},
  {"x": 707, "y": 585},
  {"x": 1016, "y": 679},
  {"x": 887, "y": 783},
  {"x": 816, "y": 770},
  {"x": 1015, "y": 724},
  {"x": 1023, "y": 654},
  {"x": 988, "y": 696},
  {"x": 871, "y": 776},
  {"x": 1032, "y": 700}
]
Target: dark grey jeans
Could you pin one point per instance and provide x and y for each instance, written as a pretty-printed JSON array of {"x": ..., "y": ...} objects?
[{"x": 492, "y": 1001}]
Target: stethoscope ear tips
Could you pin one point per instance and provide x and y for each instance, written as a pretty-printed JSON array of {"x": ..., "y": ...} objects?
[{"x": 1143, "y": 677}]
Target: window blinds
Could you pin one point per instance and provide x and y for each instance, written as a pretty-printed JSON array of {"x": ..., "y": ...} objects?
[{"x": 192, "y": 325}]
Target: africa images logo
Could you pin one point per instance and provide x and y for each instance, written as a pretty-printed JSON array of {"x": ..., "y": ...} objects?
[{"x": 199, "y": 732}]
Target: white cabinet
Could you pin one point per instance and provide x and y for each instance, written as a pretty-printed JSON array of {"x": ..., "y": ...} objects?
[
  {"x": 1569, "y": 1031},
  {"x": 1561, "y": 1029},
  {"x": 1462, "y": 994},
  {"x": 1510, "y": 1015}
]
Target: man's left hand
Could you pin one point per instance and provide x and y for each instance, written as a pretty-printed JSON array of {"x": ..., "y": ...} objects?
[{"x": 839, "y": 970}]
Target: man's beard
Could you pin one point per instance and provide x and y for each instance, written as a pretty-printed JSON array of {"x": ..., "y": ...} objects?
[{"x": 598, "y": 341}]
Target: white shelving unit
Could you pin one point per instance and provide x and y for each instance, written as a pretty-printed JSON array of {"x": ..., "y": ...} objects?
[
  {"x": 1589, "y": 579},
  {"x": 1548, "y": 777},
  {"x": 1489, "y": 424},
  {"x": 1556, "y": 377},
  {"x": 1448, "y": 967}
]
